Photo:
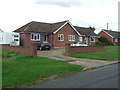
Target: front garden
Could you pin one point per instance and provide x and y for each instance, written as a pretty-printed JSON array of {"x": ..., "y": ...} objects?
[
  {"x": 109, "y": 54},
  {"x": 21, "y": 70}
]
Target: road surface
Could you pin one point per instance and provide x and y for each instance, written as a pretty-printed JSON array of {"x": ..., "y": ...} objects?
[{"x": 104, "y": 77}]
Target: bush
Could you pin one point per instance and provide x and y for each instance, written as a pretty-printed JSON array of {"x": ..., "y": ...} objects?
[
  {"x": 103, "y": 41},
  {"x": 100, "y": 43}
]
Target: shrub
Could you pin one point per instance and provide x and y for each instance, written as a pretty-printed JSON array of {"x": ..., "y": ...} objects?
[
  {"x": 103, "y": 41},
  {"x": 99, "y": 43}
]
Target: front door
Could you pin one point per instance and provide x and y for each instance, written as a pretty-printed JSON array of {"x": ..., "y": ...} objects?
[{"x": 46, "y": 37}]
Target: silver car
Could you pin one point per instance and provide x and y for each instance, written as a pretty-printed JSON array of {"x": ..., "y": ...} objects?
[{"x": 78, "y": 44}]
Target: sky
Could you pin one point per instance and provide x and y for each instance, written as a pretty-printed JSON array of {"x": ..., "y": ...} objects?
[{"x": 83, "y": 13}]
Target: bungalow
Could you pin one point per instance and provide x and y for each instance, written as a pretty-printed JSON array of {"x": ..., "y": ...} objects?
[
  {"x": 57, "y": 34},
  {"x": 112, "y": 36},
  {"x": 87, "y": 35}
]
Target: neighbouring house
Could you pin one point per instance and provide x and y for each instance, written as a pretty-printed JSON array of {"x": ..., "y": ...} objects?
[
  {"x": 112, "y": 36},
  {"x": 87, "y": 36},
  {"x": 9, "y": 38},
  {"x": 57, "y": 34}
]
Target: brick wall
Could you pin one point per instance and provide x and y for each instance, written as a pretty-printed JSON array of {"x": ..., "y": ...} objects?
[
  {"x": 25, "y": 39},
  {"x": 27, "y": 50},
  {"x": 71, "y": 50}
]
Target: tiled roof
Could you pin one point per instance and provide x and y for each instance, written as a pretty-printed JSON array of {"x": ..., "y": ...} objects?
[
  {"x": 85, "y": 31},
  {"x": 40, "y": 27},
  {"x": 114, "y": 34}
]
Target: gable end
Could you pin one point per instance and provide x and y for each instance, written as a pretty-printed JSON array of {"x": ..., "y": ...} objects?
[{"x": 68, "y": 22}]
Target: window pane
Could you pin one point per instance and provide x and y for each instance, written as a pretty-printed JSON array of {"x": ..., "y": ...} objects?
[
  {"x": 60, "y": 37},
  {"x": 38, "y": 37},
  {"x": 71, "y": 37},
  {"x": 35, "y": 37},
  {"x": 15, "y": 39},
  {"x": 32, "y": 36}
]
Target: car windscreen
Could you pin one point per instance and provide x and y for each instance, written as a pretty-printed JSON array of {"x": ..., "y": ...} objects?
[
  {"x": 45, "y": 42},
  {"x": 75, "y": 43}
]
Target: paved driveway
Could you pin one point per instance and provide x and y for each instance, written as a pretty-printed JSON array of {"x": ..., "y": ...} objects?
[
  {"x": 53, "y": 53},
  {"x": 58, "y": 54}
]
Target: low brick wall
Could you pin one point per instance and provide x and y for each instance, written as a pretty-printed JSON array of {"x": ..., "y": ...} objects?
[
  {"x": 27, "y": 50},
  {"x": 71, "y": 50}
]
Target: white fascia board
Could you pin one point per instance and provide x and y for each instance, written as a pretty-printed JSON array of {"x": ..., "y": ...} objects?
[
  {"x": 74, "y": 28},
  {"x": 70, "y": 25},
  {"x": 108, "y": 34},
  {"x": 60, "y": 28}
]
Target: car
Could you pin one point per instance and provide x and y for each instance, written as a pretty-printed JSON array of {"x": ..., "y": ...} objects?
[
  {"x": 42, "y": 45},
  {"x": 78, "y": 44}
]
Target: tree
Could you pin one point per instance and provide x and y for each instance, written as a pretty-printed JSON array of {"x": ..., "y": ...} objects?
[{"x": 92, "y": 28}]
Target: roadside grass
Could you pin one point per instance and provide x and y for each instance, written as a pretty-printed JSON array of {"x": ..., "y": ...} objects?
[
  {"x": 109, "y": 54},
  {"x": 21, "y": 70}
]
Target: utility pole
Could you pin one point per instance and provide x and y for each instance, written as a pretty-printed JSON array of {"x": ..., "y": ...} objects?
[{"x": 107, "y": 26}]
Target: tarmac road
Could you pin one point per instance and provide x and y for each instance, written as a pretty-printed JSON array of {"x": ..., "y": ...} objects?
[{"x": 104, "y": 77}]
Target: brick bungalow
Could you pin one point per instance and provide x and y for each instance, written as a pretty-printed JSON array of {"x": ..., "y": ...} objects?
[
  {"x": 112, "y": 36},
  {"x": 87, "y": 36},
  {"x": 57, "y": 34}
]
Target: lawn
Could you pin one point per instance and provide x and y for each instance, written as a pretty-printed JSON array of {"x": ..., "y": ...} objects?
[
  {"x": 21, "y": 70},
  {"x": 109, "y": 54}
]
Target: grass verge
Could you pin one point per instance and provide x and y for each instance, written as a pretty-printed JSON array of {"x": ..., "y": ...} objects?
[
  {"x": 109, "y": 54},
  {"x": 21, "y": 70}
]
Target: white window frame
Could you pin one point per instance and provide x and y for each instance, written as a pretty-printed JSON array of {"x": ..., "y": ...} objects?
[
  {"x": 80, "y": 39},
  {"x": 71, "y": 37},
  {"x": 116, "y": 40},
  {"x": 35, "y": 35},
  {"x": 61, "y": 36},
  {"x": 93, "y": 39}
]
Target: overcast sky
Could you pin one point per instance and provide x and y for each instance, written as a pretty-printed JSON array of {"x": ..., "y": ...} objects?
[{"x": 84, "y": 13}]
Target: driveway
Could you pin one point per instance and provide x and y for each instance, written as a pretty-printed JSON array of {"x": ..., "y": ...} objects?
[{"x": 58, "y": 54}]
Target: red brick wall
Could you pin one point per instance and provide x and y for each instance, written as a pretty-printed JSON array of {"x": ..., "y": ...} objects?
[
  {"x": 71, "y": 50},
  {"x": 25, "y": 39},
  {"x": 50, "y": 40},
  {"x": 27, "y": 50},
  {"x": 66, "y": 30}
]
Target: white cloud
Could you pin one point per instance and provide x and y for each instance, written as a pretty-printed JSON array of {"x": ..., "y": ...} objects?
[{"x": 15, "y": 13}]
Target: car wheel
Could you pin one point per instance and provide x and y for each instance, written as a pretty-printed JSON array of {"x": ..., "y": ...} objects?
[{"x": 48, "y": 48}]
